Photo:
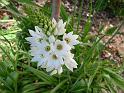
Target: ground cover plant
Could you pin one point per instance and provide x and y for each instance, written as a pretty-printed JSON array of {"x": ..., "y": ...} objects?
[{"x": 52, "y": 55}]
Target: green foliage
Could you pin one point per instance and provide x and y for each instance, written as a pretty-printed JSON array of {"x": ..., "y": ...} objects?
[
  {"x": 32, "y": 15},
  {"x": 113, "y": 6},
  {"x": 35, "y": 18},
  {"x": 100, "y": 5},
  {"x": 110, "y": 31}
]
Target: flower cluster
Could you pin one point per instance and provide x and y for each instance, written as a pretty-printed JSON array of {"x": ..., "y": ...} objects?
[{"x": 54, "y": 50}]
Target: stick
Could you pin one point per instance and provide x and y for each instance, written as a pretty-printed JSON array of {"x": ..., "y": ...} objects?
[{"x": 56, "y": 4}]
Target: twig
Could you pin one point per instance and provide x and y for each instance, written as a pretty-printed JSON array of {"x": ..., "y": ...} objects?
[
  {"x": 56, "y": 4},
  {"x": 4, "y": 21}
]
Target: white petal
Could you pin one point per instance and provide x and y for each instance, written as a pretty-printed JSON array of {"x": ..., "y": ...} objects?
[
  {"x": 40, "y": 64},
  {"x": 70, "y": 64},
  {"x": 49, "y": 64},
  {"x": 64, "y": 24},
  {"x": 75, "y": 36},
  {"x": 60, "y": 31},
  {"x": 44, "y": 65},
  {"x": 70, "y": 33},
  {"x": 51, "y": 39},
  {"x": 33, "y": 33},
  {"x": 54, "y": 22},
  {"x": 60, "y": 28},
  {"x": 61, "y": 61},
  {"x": 56, "y": 64},
  {"x": 30, "y": 39},
  {"x": 53, "y": 72},
  {"x": 72, "y": 39},
  {"x": 48, "y": 69},
  {"x": 69, "y": 55},
  {"x": 64, "y": 50},
  {"x": 74, "y": 42},
  {"x": 74, "y": 64},
  {"x": 34, "y": 59},
  {"x": 60, "y": 70},
  {"x": 60, "y": 22},
  {"x": 56, "y": 31},
  {"x": 37, "y": 29}
]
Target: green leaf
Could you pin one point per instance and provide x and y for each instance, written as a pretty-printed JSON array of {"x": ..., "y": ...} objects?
[
  {"x": 101, "y": 5},
  {"x": 6, "y": 85},
  {"x": 115, "y": 78},
  {"x": 4, "y": 2},
  {"x": 58, "y": 86},
  {"x": 28, "y": 88},
  {"x": 43, "y": 76},
  {"x": 8, "y": 55},
  {"x": 63, "y": 13},
  {"x": 3, "y": 69},
  {"x": 95, "y": 71},
  {"x": 26, "y": 1},
  {"x": 13, "y": 77},
  {"x": 80, "y": 85},
  {"x": 110, "y": 31},
  {"x": 86, "y": 29},
  {"x": 109, "y": 83}
]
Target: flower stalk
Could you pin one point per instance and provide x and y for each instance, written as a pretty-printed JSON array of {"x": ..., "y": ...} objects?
[
  {"x": 56, "y": 4},
  {"x": 52, "y": 53}
]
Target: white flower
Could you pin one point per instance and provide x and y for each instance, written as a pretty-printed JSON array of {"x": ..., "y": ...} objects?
[
  {"x": 33, "y": 41},
  {"x": 53, "y": 72},
  {"x": 36, "y": 36},
  {"x": 54, "y": 64},
  {"x": 41, "y": 59},
  {"x": 45, "y": 47},
  {"x": 49, "y": 69},
  {"x": 59, "y": 71},
  {"x": 49, "y": 51},
  {"x": 44, "y": 65},
  {"x": 59, "y": 27},
  {"x": 69, "y": 62},
  {"x": 35, "y": 51},
  {"x": 71, "y": 39},
  {"x": 61, "y": 48},
  {"x": 54, "y": 22},
  {"x": 51, "y": 39},
  {"x": 39, "y": 33},
  {"x": 54, "y": 61}
]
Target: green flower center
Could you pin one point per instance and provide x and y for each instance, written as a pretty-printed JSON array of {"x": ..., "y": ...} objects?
[
  {"x": 54, "y": 57},
  {"x": 42, "y": 56},
  {"x": 59, "y": 47},
  {"x": 67, "y": 40},
  {"x": 40, "y": 39},
  {"x": 47, "y": 48}
]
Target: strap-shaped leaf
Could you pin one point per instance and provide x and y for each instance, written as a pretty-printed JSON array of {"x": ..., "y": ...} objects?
[
  {"x": 58, "y": 86},
  {"x": 115, "y": 78},
  {"x": 42, "y": 75}
]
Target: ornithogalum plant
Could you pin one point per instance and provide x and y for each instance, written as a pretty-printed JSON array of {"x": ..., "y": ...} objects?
[{"x": 52, "y": 49}]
